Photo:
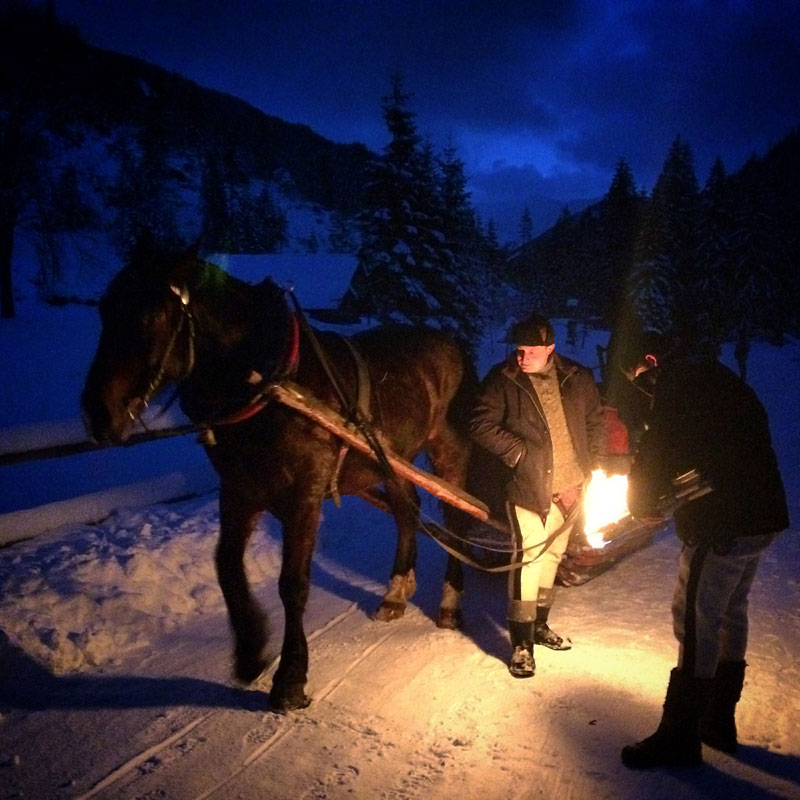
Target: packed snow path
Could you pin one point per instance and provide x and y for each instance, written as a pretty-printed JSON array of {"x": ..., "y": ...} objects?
[{"x": 401, "y": 710}]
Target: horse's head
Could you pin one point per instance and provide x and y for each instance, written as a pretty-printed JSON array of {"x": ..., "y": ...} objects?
[{"x": 146, "y": 339}]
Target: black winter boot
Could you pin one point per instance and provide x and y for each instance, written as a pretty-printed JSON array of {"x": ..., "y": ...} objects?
[
  {"x": 718, "y": 723},
  {"x": 542, "y": 633},
  {"x": 522, "y": 664},
  {"x": 676, "y": 742}
]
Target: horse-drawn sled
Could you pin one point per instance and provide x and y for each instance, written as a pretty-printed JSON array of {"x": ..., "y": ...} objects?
[{"x": 291, "y": 417}]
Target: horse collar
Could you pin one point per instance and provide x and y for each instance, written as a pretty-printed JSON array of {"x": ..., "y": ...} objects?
[{"x": 286, "y": 367}]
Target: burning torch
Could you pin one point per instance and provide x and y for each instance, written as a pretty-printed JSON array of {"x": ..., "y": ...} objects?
[{"x": 605, "y": 504}]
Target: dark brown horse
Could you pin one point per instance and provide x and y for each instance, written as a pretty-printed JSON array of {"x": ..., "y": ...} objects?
[{"x": 169, "y": 318}]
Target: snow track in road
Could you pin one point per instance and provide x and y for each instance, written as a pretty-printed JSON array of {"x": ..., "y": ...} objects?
[
  {"x": 150, "y": 755},
  {"x": 226, "y": 752},
  {"x": 286, "y": 728},
  {"x": 142, "y": 758}
]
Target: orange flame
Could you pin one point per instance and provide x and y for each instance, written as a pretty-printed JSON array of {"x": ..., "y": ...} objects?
[{"x": 604, "y": 502}]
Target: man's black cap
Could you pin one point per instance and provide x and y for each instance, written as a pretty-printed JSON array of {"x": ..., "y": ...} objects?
[{"x": 533, "y": 331}]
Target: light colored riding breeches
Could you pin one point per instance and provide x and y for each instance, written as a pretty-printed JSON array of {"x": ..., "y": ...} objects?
[{"x": 539, "y": 558}]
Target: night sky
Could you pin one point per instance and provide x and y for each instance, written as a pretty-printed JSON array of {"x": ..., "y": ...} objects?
[{"x": 540, "y": 98}]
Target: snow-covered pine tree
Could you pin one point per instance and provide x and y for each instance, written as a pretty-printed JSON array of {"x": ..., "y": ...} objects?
[
  {"x": 37, "y": 119},
  {"x": 662, "y": 288},
  {"x": 755, "y": 305},
  {"x": 472, "y": 282},
  {"x": 238, "y": 212},
  {"x": 413, "y": 264},
  {"x": 217, "y": 222},
  {"x": 343, "y": 237},
  {"x": 60, "y": 208},
  {"x": 713, "y": 262}
]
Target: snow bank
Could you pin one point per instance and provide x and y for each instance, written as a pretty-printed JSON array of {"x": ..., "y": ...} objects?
[
  {"x": 90, "y": 598},
  {"x": 95, "y": 506}
]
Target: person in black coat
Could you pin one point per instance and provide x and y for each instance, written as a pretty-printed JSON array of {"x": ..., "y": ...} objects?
[
  {"x": 540, "y": 415},
  {"x": 705, "y": 418}
]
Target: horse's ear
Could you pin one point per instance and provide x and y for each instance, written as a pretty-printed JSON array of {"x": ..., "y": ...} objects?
[
  {"x": 143, "y": 246},
  {"x": 193, "y": 250},
  {"x": 186, "y": 265}
]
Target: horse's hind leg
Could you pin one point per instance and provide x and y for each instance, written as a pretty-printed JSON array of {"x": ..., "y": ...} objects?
[
  {"x": 249, "y": 624},
  {"x": 450, "y": 615},
  {"x": 449, "y": 454},
  {"x": 404, "y": 502}
]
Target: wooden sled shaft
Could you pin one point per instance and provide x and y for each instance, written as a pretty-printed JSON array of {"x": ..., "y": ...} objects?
[{"x": 296, "y": 398}]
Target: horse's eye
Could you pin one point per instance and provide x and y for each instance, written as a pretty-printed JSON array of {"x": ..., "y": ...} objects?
[{"x": 154, "y": 322}]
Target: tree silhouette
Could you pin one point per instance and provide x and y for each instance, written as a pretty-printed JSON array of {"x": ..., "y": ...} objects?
[
  {"x": 37, "y": 118},
  {"x": 525, "y": 226}
]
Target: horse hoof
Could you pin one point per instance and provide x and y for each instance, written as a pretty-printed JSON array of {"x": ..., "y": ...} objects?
[
  {"x": 450, "y": 619},
  {"x": 290, "y": 698},
  {"x": 389, "y": 610}
]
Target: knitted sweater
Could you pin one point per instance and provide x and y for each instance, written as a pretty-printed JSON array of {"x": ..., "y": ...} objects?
[{"x": 567, "y": 471}]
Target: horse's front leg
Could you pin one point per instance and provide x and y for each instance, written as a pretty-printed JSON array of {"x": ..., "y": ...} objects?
[
  {"x": 249, "y": 624},
  {"x": 299, "y": 537},
  {"x": 404, "y": 503}
]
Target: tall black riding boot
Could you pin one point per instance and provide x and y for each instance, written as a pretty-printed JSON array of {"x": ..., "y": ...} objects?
[
  {"x": 676, "y": 742},
  {"x": 542, "y": 634},
  {"x": 718, "y": 723},
  {"x": 522, "y": 664}
]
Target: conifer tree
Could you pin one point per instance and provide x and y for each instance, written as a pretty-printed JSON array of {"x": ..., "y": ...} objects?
[
  {"x": 36, "y": 116},
  {"x": 713, "y": 263},
  {"x": 217, "y": 224},
  {"x": 143, "y": 197},
  {"x": 388, "y": 217},
  {"x": 492, "y": 241},
  {"x": 342, "y": 237},
  {"x": 754, "y": 303},
  {"x": 60, "y": 209},
  {"x": 611, "y": 266},
  {"x": 238, "y": 212},
  {"x": 526, "y": 226},
  {"x": 472, "y": 282},
  {"x": 408, "y": 269},
  {"x": 651, "y": 284},
  {"x": 662, "y": 287}
]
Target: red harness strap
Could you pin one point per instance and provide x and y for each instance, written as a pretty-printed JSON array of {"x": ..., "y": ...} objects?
[{"x": 287, "y": 366}]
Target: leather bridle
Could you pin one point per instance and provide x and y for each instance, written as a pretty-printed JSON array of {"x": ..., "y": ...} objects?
[{"x": 137, "y": 405}]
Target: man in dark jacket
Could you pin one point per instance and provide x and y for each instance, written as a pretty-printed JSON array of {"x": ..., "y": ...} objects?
[
  {"x": 705, "y": 418},
  {"x": 539, "y": 413}
]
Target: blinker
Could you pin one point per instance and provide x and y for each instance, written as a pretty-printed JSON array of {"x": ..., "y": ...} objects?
[{"x": 181, "y": 292}]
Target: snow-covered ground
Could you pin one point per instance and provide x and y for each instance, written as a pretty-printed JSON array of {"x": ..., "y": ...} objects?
[{"x": 115, "y": 653}]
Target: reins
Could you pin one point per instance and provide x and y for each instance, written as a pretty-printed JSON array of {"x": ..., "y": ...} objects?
[{"x": 569, "y": 520}]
